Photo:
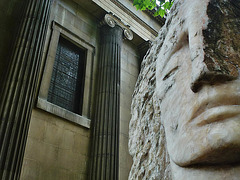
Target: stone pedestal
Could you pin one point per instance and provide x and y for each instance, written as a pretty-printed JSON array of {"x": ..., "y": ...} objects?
[
  {"x": 105, "y": 147},
  {"x": 20, "y": 85}
]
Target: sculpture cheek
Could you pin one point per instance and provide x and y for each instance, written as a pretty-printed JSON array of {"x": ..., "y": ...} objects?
[{"x": 215, "y": 50}]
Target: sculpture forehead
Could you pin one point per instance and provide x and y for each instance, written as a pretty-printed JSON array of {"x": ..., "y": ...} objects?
[{"x": 187, "y": 18}]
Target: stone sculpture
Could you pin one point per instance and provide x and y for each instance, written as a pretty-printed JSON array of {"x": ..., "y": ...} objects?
[{"x": 186, "y": 105}]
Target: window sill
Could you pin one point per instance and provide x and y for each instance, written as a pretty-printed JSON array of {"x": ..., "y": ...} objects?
[{"x": 63, "y": 113}]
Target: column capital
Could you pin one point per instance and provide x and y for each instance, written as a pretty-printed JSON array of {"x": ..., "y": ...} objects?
[{"x": 112, "y": 20}]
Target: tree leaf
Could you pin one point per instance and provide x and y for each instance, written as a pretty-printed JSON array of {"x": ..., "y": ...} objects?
[{"x": 151, "y": 4}]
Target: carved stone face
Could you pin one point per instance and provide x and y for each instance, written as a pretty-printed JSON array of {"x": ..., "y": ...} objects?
[
  {"x": 197, "y": 95},
  {"x": 201, "y": 127},
  {"x": 199, "y": 86}
]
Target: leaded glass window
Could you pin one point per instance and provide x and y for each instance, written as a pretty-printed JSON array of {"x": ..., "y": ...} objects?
[{"x": 67, "y": 81}]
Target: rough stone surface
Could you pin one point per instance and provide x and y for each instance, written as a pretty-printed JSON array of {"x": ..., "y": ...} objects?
[
  {"x": 185, "y": 108},
  {"x": 146, "y": 135},
  {"x": 221, "y": 40}
]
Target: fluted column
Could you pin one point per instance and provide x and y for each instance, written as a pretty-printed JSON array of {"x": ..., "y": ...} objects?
[
  {"x": 20, "y": 85},
  {"x": 105, "y": 147}
]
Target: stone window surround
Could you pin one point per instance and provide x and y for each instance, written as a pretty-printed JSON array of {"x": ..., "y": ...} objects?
[{"x": 42, "y": 103}]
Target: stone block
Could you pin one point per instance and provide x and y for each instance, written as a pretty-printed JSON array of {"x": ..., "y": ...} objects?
[
  {"x": 124, "y": 126},
  {"x": 133, "y": 70},
  {"x": 81, "y": 144},
  {"x": 125, "y": 101},
  {"x": 125, "y": 89},
  {"x": 75, "y": 175},
  {"x": 54, "y": 174},
  {"x": 133, "y": 59},
  {"x": 83, "y": 164},
  {"x": 128, "y": 78},
  {"x": 123, "y": 152},
  {"x": 30, "y": 170},
  {"x": 67, "y": 159},
  {"x": 129, "y": 67},
  {"x": 59, "y": 12},
  {"x": 37, "y": 129},
  {"x": 70, "y": 17},
  {"x": 67, "y": 140},
  {"x": 53, "y": 134},
  {"x": 124, "y": 54},
  {"x": 81, "y": 131},
  {"x": 48, "y": 155},
  {"x": 32, "y": 150},
  {"x": 78, "y": 23},
  {"x": 44, "y": 153},
  {"x": 72, "y": 161},
  {"x": 42, "y": 115},
  {"x": 123, "y": 173},
  {"x": 130, "y": 47},
  {"x": 124, "y": 64},
  {"x": 63, "y": 174},
  {"x": 125, "y": 114},
  {"x": 87, "y": 29}
]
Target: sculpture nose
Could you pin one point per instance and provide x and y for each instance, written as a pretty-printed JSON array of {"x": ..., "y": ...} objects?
[
  {"x": 215, "y": 47},
  {"x": 210, "y": 78}
]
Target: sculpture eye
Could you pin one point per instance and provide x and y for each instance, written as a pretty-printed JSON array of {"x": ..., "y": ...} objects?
[{"x": 170, "y": 73}]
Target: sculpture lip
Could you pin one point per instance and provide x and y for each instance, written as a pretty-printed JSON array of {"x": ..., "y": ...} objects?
[{"x": 216, "y": 108}]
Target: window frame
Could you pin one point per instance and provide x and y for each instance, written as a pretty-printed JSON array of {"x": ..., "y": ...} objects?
[{"x": 42, "y": 103}]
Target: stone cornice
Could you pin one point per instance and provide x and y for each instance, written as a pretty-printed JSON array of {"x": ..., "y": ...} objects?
[{"x": 135, "y": 17}]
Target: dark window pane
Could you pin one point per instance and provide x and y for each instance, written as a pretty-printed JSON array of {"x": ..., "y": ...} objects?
[{"x": 66, "y": 86}]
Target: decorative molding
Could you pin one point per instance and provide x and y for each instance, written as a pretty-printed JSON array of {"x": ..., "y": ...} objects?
[
  {"x": 112, "y": 20},
  {"x": 108, "y": 19},
  {"x": 128, "y": 34},
  {"x": 57, "y": 26},
  {"x": 137, "y": 19},
  {"x": 63, "y": 113}
]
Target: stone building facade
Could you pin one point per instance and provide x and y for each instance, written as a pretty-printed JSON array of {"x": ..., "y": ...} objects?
[{"x": 43, "y": 137}]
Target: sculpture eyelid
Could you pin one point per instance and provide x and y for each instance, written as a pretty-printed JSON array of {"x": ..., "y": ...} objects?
[
  {"x": 170, "y": 73},
  {"x": 182, "y": 41}
]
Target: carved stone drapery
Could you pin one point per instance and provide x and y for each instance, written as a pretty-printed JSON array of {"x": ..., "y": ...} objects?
[
  {"x": 20, "y": 86},
  {"x": 105, "y": 144}
]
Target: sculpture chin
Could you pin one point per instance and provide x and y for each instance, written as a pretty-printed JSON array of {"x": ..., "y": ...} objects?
[{"x": 217, "y": 143}]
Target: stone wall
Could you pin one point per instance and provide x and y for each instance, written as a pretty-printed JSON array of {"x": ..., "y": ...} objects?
[
  {"x": 56, "y": 148},
  {"x": 145, "y": 141},
  {"x": 129, "y": 74}
]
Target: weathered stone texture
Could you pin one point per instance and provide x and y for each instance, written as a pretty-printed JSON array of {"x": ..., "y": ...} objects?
[
  {"x": 195, "y": 51},
  {"x": 129, "y": 73},
  {"x": 221, "y": 40},
  {"x": 146, "y": 134}
]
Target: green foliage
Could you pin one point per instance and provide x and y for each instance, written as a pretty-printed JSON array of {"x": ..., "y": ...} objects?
[{"x": 165, "y": 5}]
